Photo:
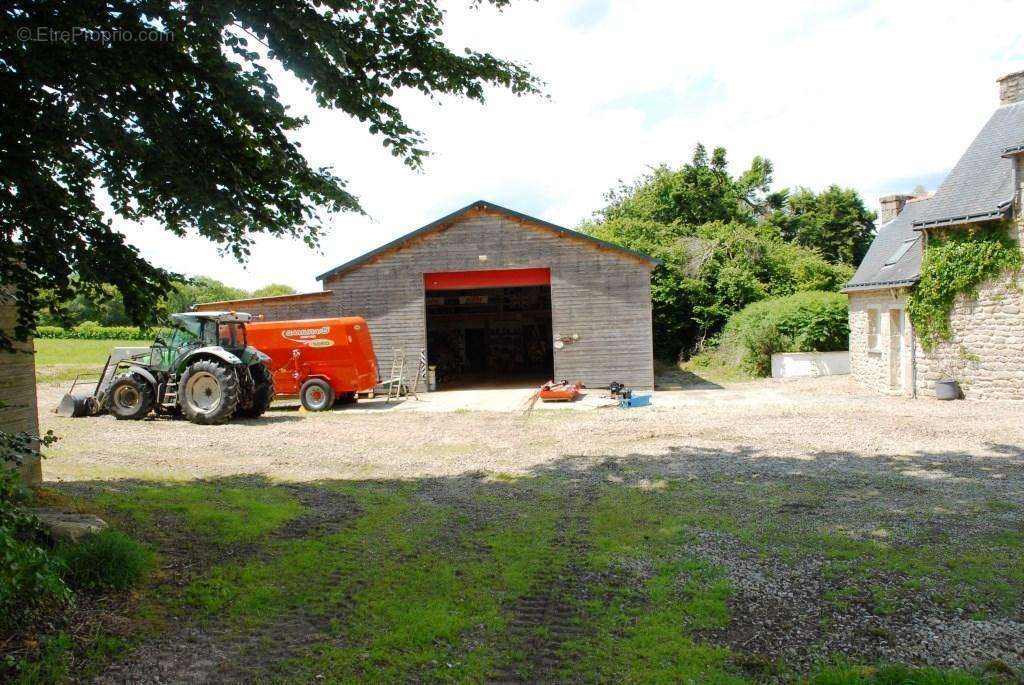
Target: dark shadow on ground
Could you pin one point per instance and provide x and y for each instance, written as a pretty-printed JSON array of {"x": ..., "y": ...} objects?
[
  {"x": 779, "y": 605},
  {"x": 677, "y": 379},
  {"x": 377, "y": 404}
]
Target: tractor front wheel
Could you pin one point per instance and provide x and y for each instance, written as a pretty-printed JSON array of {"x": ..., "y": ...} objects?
[
  {"x": 209, "y": 392},
  {"x": 130, "y": 398},
  {"x": 316, "y": 394}
]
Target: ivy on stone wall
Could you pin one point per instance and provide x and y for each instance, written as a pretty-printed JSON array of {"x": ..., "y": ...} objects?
[{"x": 953, "y": 265}]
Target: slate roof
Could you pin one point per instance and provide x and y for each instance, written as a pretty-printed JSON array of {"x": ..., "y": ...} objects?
[
  {"x": 981, "y": 185},
  {"x": 873, "y": 273},
  {"x": 483, "y": 204}
]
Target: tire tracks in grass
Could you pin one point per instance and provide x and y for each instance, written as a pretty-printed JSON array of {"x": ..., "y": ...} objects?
[
  {"x": 194, "y": 650},
  {"x": 547, "y": 617}
]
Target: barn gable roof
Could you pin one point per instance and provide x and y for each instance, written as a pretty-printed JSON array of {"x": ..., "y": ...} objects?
[{"x": 487, "y": 206}]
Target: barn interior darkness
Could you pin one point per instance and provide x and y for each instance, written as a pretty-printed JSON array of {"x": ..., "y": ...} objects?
[{"x": 490, "y": 336}]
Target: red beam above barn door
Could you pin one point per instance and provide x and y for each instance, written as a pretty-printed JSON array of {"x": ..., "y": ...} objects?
[{"x": 486, "y": 278}]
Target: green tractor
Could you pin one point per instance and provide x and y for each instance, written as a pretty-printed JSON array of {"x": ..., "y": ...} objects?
[{"x": 203, "y": 369}]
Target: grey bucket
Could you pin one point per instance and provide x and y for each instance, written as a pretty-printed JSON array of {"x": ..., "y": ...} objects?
[
  {"x": 947, "y": 390},
  {"x": 75, "y": 406}
]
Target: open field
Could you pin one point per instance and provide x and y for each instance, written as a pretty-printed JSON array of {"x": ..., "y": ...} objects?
[
  {"x": 759, "y": 532},
  {"x": 62, "y": 360}
]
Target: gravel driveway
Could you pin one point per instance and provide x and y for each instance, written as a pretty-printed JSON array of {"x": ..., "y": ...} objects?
[{"x": 782, "y": 424}]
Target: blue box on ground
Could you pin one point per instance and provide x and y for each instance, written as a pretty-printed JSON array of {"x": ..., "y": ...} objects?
[{"x": 635, "y": 401}]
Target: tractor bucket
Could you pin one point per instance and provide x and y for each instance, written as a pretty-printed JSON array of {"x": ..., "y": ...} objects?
[
  {"x": 89, "y": 403},
  {"x": 81, "y": 403},
  {"x": 74, "y": 406}
]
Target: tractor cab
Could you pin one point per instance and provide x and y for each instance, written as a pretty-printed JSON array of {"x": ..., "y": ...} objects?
[{"x": 192, "y": 330}]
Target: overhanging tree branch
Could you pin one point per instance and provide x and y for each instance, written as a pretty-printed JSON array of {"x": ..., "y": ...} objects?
[{"x": 187, "y": 128}]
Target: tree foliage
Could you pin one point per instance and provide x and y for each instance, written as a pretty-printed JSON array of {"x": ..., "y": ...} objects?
[
  {"x": 718, "y": 252},
  {"x": 187, "y": 127},
  {"x": 835, "y": 222},
  {"x": 107, "y": 307},
  {"x": 273, "y": 290},
  {"x": 185, "y": 293},
  {"x": 698, "y": 192}
]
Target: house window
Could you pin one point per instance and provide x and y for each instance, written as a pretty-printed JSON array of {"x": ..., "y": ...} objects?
[
  {"x": 873, "y": 330},
  {"x": 900, "y": 252}
]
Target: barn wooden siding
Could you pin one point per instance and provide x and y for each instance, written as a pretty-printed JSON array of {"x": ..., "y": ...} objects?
[
  {"x": 18, "y": 386},
  {"x": 600, "y": 294}
]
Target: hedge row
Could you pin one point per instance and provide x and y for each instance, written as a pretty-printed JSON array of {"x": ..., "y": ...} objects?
[
  {"x": 90, "y": 330},
  {"x": 810, "y": 321}
]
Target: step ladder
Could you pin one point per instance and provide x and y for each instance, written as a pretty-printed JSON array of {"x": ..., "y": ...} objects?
[
  {"x": 396, "y": 381},
  {"x": 397, "y": 385},
  {"x": 170, "y": 398},
  {"x": 420, "y": 377}
]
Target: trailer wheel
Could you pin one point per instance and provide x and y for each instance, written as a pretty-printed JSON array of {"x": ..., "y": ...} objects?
[
  {"x": 316, "y": 395},
  {"x": 130, "y": 398},
  {"x": 262, "y": 394},
  {"x": 209, "y": 392}
]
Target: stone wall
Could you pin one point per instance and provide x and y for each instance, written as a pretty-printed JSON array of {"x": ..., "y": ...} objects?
[
  {"x": 887, "y": 365},
  {"x": 986, "y": 352},
  {"x": 18, "y": 386}
]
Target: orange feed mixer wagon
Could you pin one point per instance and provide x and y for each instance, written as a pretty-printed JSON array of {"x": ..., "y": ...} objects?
[{"x": 318, "y": 360}]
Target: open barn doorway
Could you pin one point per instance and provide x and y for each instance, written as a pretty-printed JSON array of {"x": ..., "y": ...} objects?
[{"x": 489, "y": 328}]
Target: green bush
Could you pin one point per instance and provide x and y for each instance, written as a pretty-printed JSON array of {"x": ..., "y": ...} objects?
[
  {"x": 712, "y": 271},
  {"x": 107, "y": 560},
  {"x": 30, "y": 581},
  {"x": 90, "y": 330},
  {"x": 811, "y": 321}
]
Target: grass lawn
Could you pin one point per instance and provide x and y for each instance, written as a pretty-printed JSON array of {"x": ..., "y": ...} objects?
[
  {"x": 63, "y": 359},
  {"x": 603, "y": 574},
  {"x": 700, "y": 371}
]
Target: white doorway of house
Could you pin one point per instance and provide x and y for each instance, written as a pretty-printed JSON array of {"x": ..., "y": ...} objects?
[{"x": 895, "y": 349}]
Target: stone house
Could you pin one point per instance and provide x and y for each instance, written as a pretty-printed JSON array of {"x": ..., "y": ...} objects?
[{"x": 986, "y": 350}]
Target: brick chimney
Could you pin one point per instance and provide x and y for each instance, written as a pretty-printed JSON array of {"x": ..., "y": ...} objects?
[
  {"x": 1011, "y": 88},
  {"x": 892, "y": 205}
]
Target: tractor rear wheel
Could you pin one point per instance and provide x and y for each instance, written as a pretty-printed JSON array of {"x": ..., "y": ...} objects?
[
  {"x": 209, "y": 392},
  {"x": 262, "y": 394},
  {"x": 130, "y": 398},
  {"x": 316, "y": 394}
]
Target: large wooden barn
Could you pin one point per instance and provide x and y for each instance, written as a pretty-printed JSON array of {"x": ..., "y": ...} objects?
[{"x": 495, "y": 297}]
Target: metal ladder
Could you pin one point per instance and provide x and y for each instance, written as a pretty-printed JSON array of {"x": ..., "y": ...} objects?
[
  {"x": 396, "y": 382},
  {"x": 170, "y": 398},
  {"x": 420, "y": 377}
]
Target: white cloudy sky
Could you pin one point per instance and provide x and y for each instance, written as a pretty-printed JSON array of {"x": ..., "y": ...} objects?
[{"x": 879, "y": 96}]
